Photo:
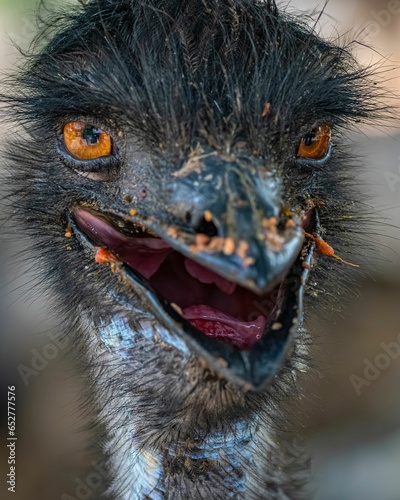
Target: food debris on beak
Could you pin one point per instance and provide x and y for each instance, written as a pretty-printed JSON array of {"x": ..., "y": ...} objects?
[
  {"x": 104, "y": 256},
  {"x": 227, "y": 246}
]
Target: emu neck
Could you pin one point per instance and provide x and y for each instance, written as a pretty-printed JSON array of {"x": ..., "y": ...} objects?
[
  {"x": 164, "y": 442},
  {"x": 215, "y": 466}
]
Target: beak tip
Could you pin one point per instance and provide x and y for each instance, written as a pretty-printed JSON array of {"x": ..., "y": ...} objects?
[{"x": 270, "y": 268}]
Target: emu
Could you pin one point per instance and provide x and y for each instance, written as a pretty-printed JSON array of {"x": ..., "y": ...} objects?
[{"x": 179, "y": 169}]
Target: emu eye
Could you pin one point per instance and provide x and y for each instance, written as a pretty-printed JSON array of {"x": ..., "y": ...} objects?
[
  {"x": 315, "y": 145},
  {"x": 86, "y": 142}
]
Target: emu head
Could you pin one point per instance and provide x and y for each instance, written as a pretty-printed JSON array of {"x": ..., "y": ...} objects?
[{"x": 180, "y": 161}]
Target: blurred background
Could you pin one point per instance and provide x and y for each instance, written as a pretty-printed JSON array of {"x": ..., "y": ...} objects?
[{"x": 351, "y": 405}]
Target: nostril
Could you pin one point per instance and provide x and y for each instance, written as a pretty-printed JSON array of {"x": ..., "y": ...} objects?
[
  {"x": 206, "y": 227},
  {"x": 188, "y": 217}
]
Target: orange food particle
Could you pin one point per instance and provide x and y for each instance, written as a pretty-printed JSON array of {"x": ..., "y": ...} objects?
[
  {"x": 287, "y": 212},
  {"x": 202, "y": 240},
  {"x": 266, "y": 110},
  {"x": 104, "y": 256},
  {"x": 68, "y": 232},
  {"x": 270, "y": 224},
  {"x": 173, "y": 232},
  {"x": 249, "y": 261},
  {"x": 208, "y": 216},
  {"x": 229, "y": 246},
  {"x": 216, "y": 244},
  {"x": 325, "y": 249},
  {"x": 242, "y": 249},
  {"x": 132, "y": 212}
]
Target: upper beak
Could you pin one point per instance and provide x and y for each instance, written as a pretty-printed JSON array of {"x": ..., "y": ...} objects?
[{"x": 234, "y": 223}]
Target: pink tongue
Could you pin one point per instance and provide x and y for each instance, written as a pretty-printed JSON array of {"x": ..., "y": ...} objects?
[
  {"x": 224, "y": 327},
  {"x": 205, "y": 275},
  {"x": 145, "y": 255}
]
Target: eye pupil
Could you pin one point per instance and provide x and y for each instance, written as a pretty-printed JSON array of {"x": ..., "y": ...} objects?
[
  {"x": 91, "y": 135},
  {"x": 309, "y": 139},
  {"x": 87, "y": 142},
  {"x": 316, "y": 144}
]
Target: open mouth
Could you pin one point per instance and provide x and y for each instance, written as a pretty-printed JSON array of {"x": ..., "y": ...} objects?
[{"x": 237, "y": 331}]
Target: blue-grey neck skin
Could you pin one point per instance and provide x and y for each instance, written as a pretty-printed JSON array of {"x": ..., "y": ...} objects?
[
  {"x": 190, "y": 447},
  {"x": 217, "y": 465}
]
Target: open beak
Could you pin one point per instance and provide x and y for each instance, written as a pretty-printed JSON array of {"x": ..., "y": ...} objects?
[{"x": 216, "y": 260}]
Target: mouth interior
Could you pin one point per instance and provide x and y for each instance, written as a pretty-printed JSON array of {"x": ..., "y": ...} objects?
[{"x": 219, "y": 308}]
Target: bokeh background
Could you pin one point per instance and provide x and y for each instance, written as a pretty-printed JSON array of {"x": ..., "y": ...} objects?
[{"x": 351, "y": 404}]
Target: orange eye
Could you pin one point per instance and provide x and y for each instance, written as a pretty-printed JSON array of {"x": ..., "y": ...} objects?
[
  {"x": 315, "y": 145},
  {"x": 86, "y": 142}
]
